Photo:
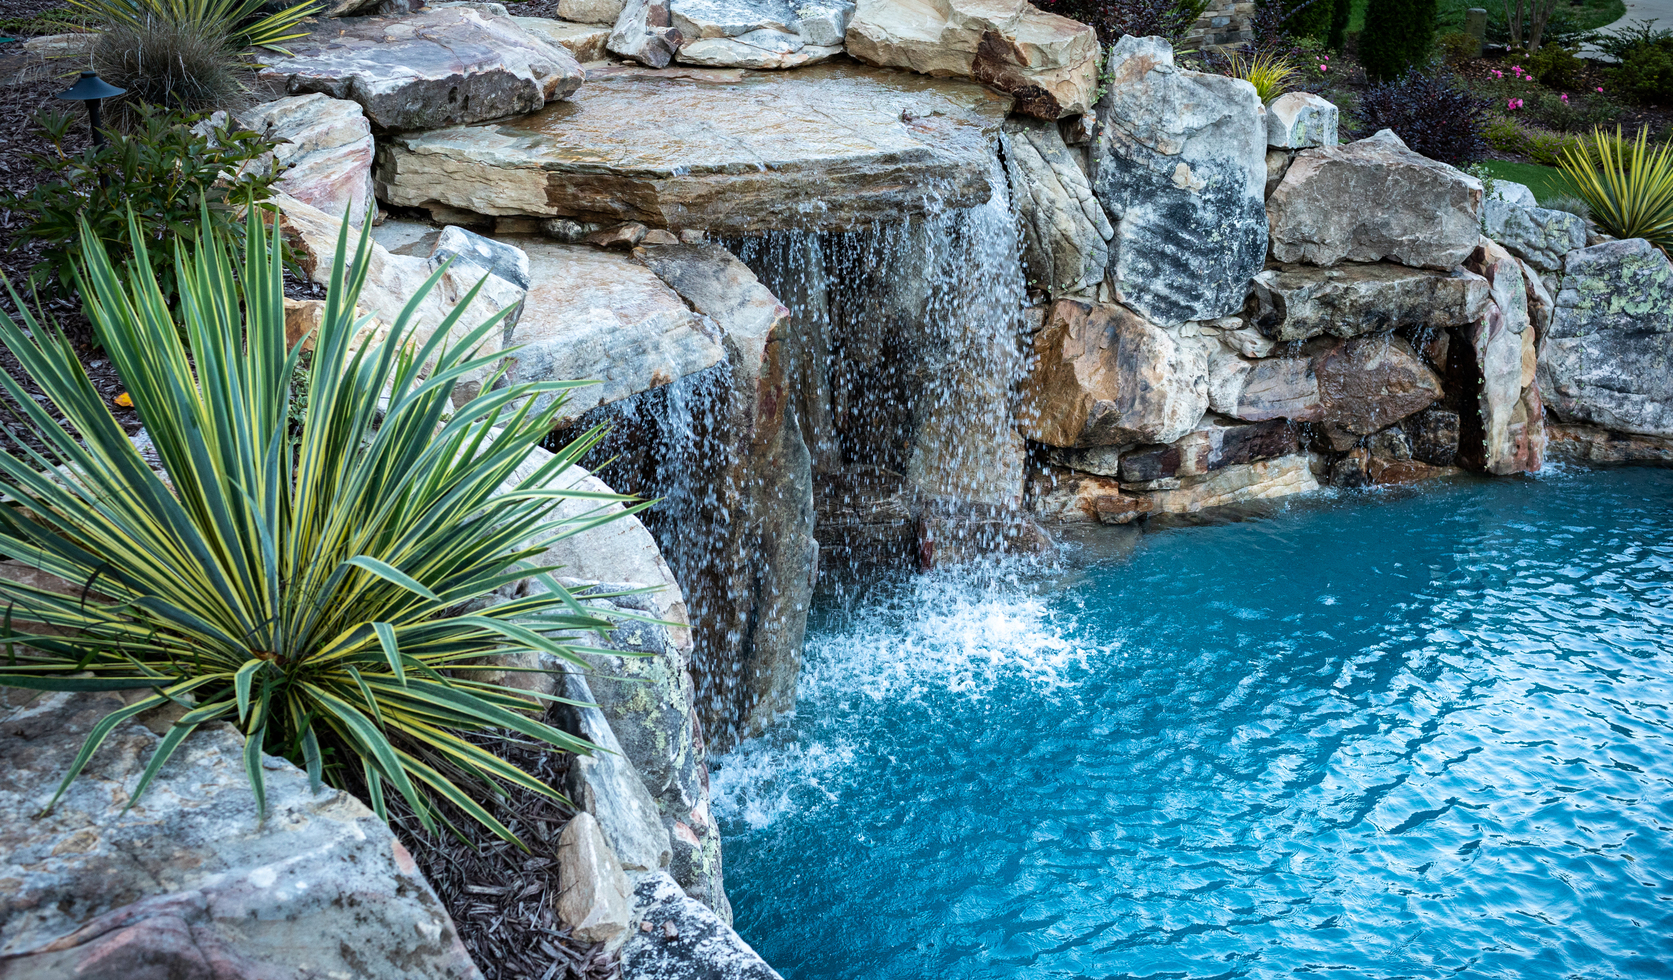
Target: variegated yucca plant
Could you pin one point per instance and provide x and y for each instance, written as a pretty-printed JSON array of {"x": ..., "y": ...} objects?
[{"x": 316, "y": 582}]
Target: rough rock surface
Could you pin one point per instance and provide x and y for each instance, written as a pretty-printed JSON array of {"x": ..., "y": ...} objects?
[
  {"x": 1235, "y": 485},
  {"x": 598, "y": 315},
  {"x": 1599, "y": 447},
  {"x": 591, "y": 11},
  {"x": 1608, "y": 358},
  {"x": 594, "y": 897},
  {"x": 643, "y": 33},
  {"x": 464, "y": 246},
  {"x": 392, "y": 280},
  {"x": 190, "y": 883},
  {"x": 697, "y": 19},
  {"x": 1106, "y": 376},
  {"x": 1296, "y": 302},
  {"x": 1296, "y": 120},
  {"x": 1498, "y": 362},
  {"x": 824, "y": 22},
  {"x": 583, "y": 41},
  {"x": 1066, "y": 496},
  {"x": 762, "y": 50},
  {"x": 1179, "y": 164},
  {"x": 325, "y": 151},
  {"x": 1538, "y": 236},
  {"x": 1049, "y": 63},
  {"x": 606, "y": 784},
  {"x": 1372, "y": 201},
  {"x": 1359, "y": 385},
  {"x": 830, "y": 146},
  {"x": 684, "y": 940},
  {"x": 1211, "y": 446},
  {"x": 1065, "y": 232}
]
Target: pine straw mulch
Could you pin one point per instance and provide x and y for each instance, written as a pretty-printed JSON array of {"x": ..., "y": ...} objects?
[{"x": 501, "y": 898}]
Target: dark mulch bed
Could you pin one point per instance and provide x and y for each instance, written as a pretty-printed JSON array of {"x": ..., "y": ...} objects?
[{"x": 501, "y": 897}]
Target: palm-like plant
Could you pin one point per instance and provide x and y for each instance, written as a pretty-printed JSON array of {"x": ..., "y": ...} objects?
[
  {"x": 241, "y": 22},
  {"x": 312, "y": 584},
  {"x": 1627, "y": 185}
]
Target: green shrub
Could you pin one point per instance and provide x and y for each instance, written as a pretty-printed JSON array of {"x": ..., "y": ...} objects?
[
  {"x": 1574, "y": 113},
  {"x": 1556, "y": 66},
  {"x": 161, "y": 169},
  {"x": 1398, "y": 36},
  {"x": 244, "y": 23},
  {"x": 1646, "y": 73},
  {"x": 1456, "y": 46},
  {"x": 1627, "y": 185},
  {"x": 1341, "y": 12},
  {"x": 1618, "y": 43},
  {"x": 1306, "y": 18},
  {"x": 1540, "y": 145},
  {"x": 184, "y": 67},
  {"x": 311, "y": 585}
]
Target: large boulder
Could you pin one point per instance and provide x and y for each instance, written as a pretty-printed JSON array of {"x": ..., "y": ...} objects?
[
  {"x": 1373, "y": 201},
  {"x": 1234, "y": 486},
  {"x": 831, "y": 146},
  {"x": 1105, "y": 376},
  {"x": 324, "y": 152},
  {"x": 643, "y": 33},
  {"x": 1608, "y": 358},
  {"x": 1538, "y": 236},
  {"x": 597, "y": 315},
  {"x": 192, "y": 882},
  {"x": 1065, "y": 233},
  {"x": 1049, "y": 63},
  {"x": 1213, "y": 445},
  {"x": 1297, "y": 302},
  {"x": 441, "y": 67},
  {"x": 1180, "y": 164},
  {"x": 1297, "y": 120},
  {"x": 586, "y": 42},
  {"x": 1357, "y": 386}
]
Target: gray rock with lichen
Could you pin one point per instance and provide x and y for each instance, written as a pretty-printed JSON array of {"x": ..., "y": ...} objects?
[
  {"x": 1607, "y": 359},
  {"x": 1538, "y": 236}
]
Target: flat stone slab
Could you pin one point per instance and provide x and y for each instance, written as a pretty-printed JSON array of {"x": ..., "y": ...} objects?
[
  {"x": 825, "y": 147},
  {"x": 442, "y": 67}
]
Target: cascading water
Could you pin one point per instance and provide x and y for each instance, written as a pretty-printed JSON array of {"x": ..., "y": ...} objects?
[{"x": 1420, "y": 739}]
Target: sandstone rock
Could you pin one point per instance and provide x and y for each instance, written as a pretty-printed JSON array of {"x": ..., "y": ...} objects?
[
  {"x": 1049, "y": 63},
  {"x": 1433, "y": 436},
  {"x": 302, "y": 319},
  {"x": 1277, "y": 163},
  {"x": 685, "y": 941},
  {"x": 1391, "y": 443},
  {"x": 1540, "y": 303},
  {"x": 1235, "y": 485},
  {"x": 1403, "y": 472},
  {"x": 643, "y": 33},
  {"x": 1246, "y": 340},
  {"x": 697, "y": 19},
  {"x": 595, "y": 315},
  {"x": 324, "y": 152},
  {"x": 1211, "y": 446},
  {"x": 1497, "y": 440},
  {"x": 1096, "y": 460},
  {"x": 829, "y": 146},
  {"x": 1510, "y": 192},
  {"x": 1069, "y": 497},
  {"x": 1352, "y": 471},
  {"x": 594, "y": 898},
  {"x": 466, "y": 247},
  {"x": 1296, "y": 120},
  {"x": 824, "y": 22},
  {"x": 622, "y": 237},
  {"x": 1064, "y": 229},
  {"x": 584, "y": 41},
  {"x": 191, "y": 882},
  {"x": 606, "y": 785},
  {"x": 1296, "y": 302},
  {"x": 1374, "y": 201},
  {"x": 1593, "y": 446},
  {"x": 1359, "y": 385},
  {"x": 1608, "y": 359},
  {"x": 765, "y": 50},
  {"x": 61, "y": 45},
  {"x": 1106, "y": 376},
  {"x": 1538, "y": 236},
  {"x": 392, "y": 280},
  {"x": 591, "y": 11},
  {"x": 1180, "y": 166},
  {"x": 431, "y": 69},
  {"x": 1227, "y": 373}
]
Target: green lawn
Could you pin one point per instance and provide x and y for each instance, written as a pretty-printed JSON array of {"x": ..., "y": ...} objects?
[
  {"x": 1450, "y": 13},
  {"x": 1545, "y": 182}
]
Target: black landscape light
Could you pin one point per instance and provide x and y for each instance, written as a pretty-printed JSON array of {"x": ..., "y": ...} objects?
[{"x": 89, "y": 89}]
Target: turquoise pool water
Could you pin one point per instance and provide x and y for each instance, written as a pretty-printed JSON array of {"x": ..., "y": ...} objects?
[{"x": 1421, "y": 734}]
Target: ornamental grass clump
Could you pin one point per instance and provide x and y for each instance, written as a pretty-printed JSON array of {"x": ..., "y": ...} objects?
[
  {"x": 1270, "y": 72},
  {"x": 239, "y": 23},
  {"x": 1627, "y": 185},
  {"x": 314, "y": 585}
]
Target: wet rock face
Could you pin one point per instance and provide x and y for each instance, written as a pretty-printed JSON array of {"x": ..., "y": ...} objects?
[
  {"x": 1359, "y": 385},
  {"x": 1211, "y": 446},
  {"x": 1608, "y": 358},
  {"x": 1496, "y": 363},
  {"x": 678, "y": 938},
  {"x": 190, "y": 882},
  {"x": 1049, "y": 63},
  {"x": 1373, "y": 201},
  {"x": 1105, "y": 376},
  {"x": 325, "y": 149},
  {"x": 1179, "y": 165},
  {"x": 438, "y": 68},
  {"x": 1298, "y": 302},
  {"x": 1065, "y": 233},
  {"x": 823, "y": 147}
]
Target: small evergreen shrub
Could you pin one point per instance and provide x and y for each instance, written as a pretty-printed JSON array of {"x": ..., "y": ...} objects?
[
  {"x": 1341, "y": 11},
  {"x": 1556, "y": 67},
  {"x": 1646, "y": 73},
  {"x": 1432, "y": 113},
  {"x": 1539, "y": 145},
  {"x": 1306, "y": 18},
  {"x": 1398, "y": 36},
  {"x": 1456, "y": 47},
  {"x": 1171, "y": 19}
]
